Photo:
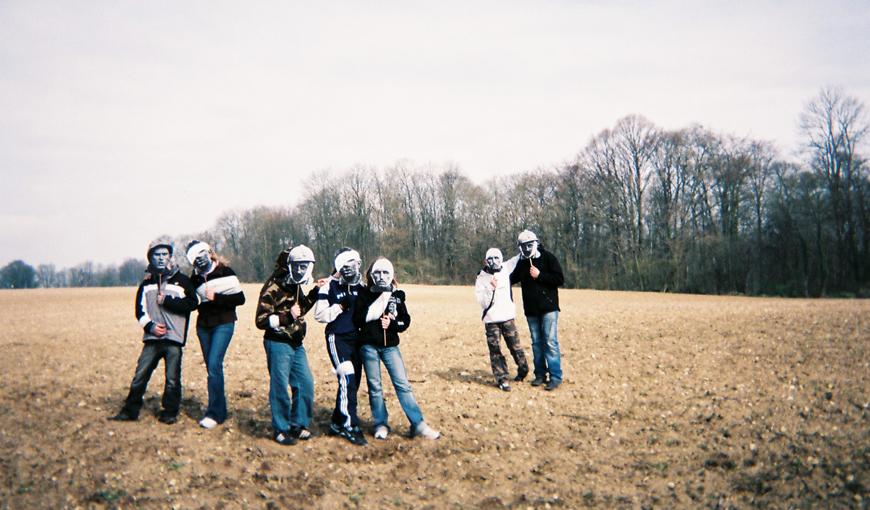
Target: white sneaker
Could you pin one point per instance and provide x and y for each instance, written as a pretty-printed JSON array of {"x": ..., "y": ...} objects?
[
  {"x": 381, "y": 432},
  {"x": 426, "y": 431},
  {"x": 208, "y": 423}
]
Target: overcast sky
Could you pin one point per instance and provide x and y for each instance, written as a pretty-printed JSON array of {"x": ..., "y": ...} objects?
[{"x": 124, "y": 120}]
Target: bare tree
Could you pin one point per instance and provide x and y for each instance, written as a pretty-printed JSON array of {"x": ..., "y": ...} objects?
[{"x": 834, "y": 125}]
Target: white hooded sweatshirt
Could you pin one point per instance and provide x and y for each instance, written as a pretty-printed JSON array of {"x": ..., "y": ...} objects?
[{"x": 502, "y": 308}]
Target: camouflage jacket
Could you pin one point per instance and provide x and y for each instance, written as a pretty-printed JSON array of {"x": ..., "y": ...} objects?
[
  {"x": 277, "y": 297},
  {"x": 273, "y": 311}
]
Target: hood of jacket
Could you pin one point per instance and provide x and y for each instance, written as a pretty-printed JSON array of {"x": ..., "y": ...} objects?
[{"x": 282, "y": 267}]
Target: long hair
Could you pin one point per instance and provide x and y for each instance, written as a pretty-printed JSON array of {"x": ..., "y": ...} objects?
[{"x": 217, "y": 259}]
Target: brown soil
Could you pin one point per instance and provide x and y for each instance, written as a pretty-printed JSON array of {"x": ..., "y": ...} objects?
[{"x": 669, "y": 401}]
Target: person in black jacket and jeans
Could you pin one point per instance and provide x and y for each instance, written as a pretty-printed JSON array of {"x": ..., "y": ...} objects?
[
  {"x": 220, "y": 293},
  {"x": 539, "y": 274},
  {"x": 381, "y": 314}
]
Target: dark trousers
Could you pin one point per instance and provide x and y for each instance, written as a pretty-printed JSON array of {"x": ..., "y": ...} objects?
[
  {"x": 152, "y": 353},
  {"x": 344, "y": 355}
]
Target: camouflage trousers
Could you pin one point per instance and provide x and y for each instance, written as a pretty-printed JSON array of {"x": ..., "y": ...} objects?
[{"x": 508, "y": 330}]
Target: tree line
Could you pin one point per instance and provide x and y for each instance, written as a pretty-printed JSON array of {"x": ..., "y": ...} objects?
[{"x": 638, "y": 208}]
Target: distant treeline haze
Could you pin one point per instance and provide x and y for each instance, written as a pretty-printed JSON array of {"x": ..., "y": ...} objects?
[{"x": 640, "y": 208}]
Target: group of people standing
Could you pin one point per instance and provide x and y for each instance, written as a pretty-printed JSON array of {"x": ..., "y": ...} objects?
[{"x": 364, "y": 316}]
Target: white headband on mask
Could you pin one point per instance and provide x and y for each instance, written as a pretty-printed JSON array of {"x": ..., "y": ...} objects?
[
  {"x": 344, "y": 257},
  {"x": 493, "y": 252},
  {"x": 196, "y": 250}
]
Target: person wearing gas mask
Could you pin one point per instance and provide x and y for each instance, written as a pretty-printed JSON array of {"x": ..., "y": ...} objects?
[
  {"x": 335, "y": 305},
  {"x": 493, "y": 292},
  {"x": 539, "y": 274},
  {"x": 281, "y": 311},
  {"x": 164, "y": 301},
  {"x": 219, "y": 292},
  {"x": 381, "y": 314}
]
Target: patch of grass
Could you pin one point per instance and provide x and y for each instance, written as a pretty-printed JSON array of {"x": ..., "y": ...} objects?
[
  {"x": 108, "y": 495},
  {"x": 176, "y": 465}
]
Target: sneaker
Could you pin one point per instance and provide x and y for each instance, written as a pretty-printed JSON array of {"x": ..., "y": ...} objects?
[
  {"x": 285, "y": 438},
  {"x": 208, "y": 423},
  {"x": 122, "y": 416},
  {"x": 354, "y": 435},
  {"x": 504, "y": 386},
  {"x": 521, "y": 375},
  {"x": 426, "y": 431},
  {"x": 539, "y": 381},
  {"x": 168, "y": 419},
  {"x": 300, "y": 433},
  {"x": 381, "y": 432},
  {"x": 359, "y": 438},
  {"x": 552, "y": 385}
]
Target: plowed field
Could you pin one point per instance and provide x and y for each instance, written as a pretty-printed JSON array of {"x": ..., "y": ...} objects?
[{"x": 668, "y": 401}]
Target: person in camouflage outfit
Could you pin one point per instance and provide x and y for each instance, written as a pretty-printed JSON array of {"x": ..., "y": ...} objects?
[
  {"x": 493, "y": 292},
  {"x": 280, "y": 313}
]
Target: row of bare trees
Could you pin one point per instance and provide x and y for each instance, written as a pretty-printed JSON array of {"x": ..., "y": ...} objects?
[
  {"x": 640, "y": 207},
  {"x": 21, "y": 275}
]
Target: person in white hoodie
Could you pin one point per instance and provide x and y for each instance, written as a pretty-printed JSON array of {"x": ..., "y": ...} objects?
[{"x": 493, "y": 292}]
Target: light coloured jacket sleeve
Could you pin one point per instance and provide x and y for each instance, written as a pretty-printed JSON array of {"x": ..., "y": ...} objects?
[
  {"x": 324, "y": 311},
  {"x": 510, "y": 264},
  {"x": 482, "y": 289}
]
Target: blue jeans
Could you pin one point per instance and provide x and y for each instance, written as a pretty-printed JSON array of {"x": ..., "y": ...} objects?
[
  {"x": 152, "y": 353},
  {"x": 392, "y": 358},
  {"x": 288, "y": 366},
  {"x": 545, "y": 345},
  {"x": 214, "y": 343}
]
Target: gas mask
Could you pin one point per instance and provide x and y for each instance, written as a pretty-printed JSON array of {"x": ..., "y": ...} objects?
[
  {"x": 493, "y": 260},
  {"x": 527, "y": 242},
  {"x": 198, "y": 256},
  {"x": 161, "y": 259},
  {"x": 300, "y": 262},
  {"x": 381, "y": 276},
  {"x": 529, "y": 250},
  {"x": 348, "y": 263}
]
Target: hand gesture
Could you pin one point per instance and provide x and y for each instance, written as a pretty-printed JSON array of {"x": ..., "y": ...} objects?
[
  {"x": 534, "y": 271},
  {"x": 320, "y": 282},
  {"x": 209, "y": 294},
  {"x": 295, "y": 311},
  {"x": 160, "y": 297},
  {"x": 158, "y": 330},
  {"x": 493, "y": 282}
]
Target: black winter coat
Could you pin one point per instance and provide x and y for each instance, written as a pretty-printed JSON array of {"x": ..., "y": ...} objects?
[
  {"x": 540, "y": 295},
  {"x": 371, "y": 332}
]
